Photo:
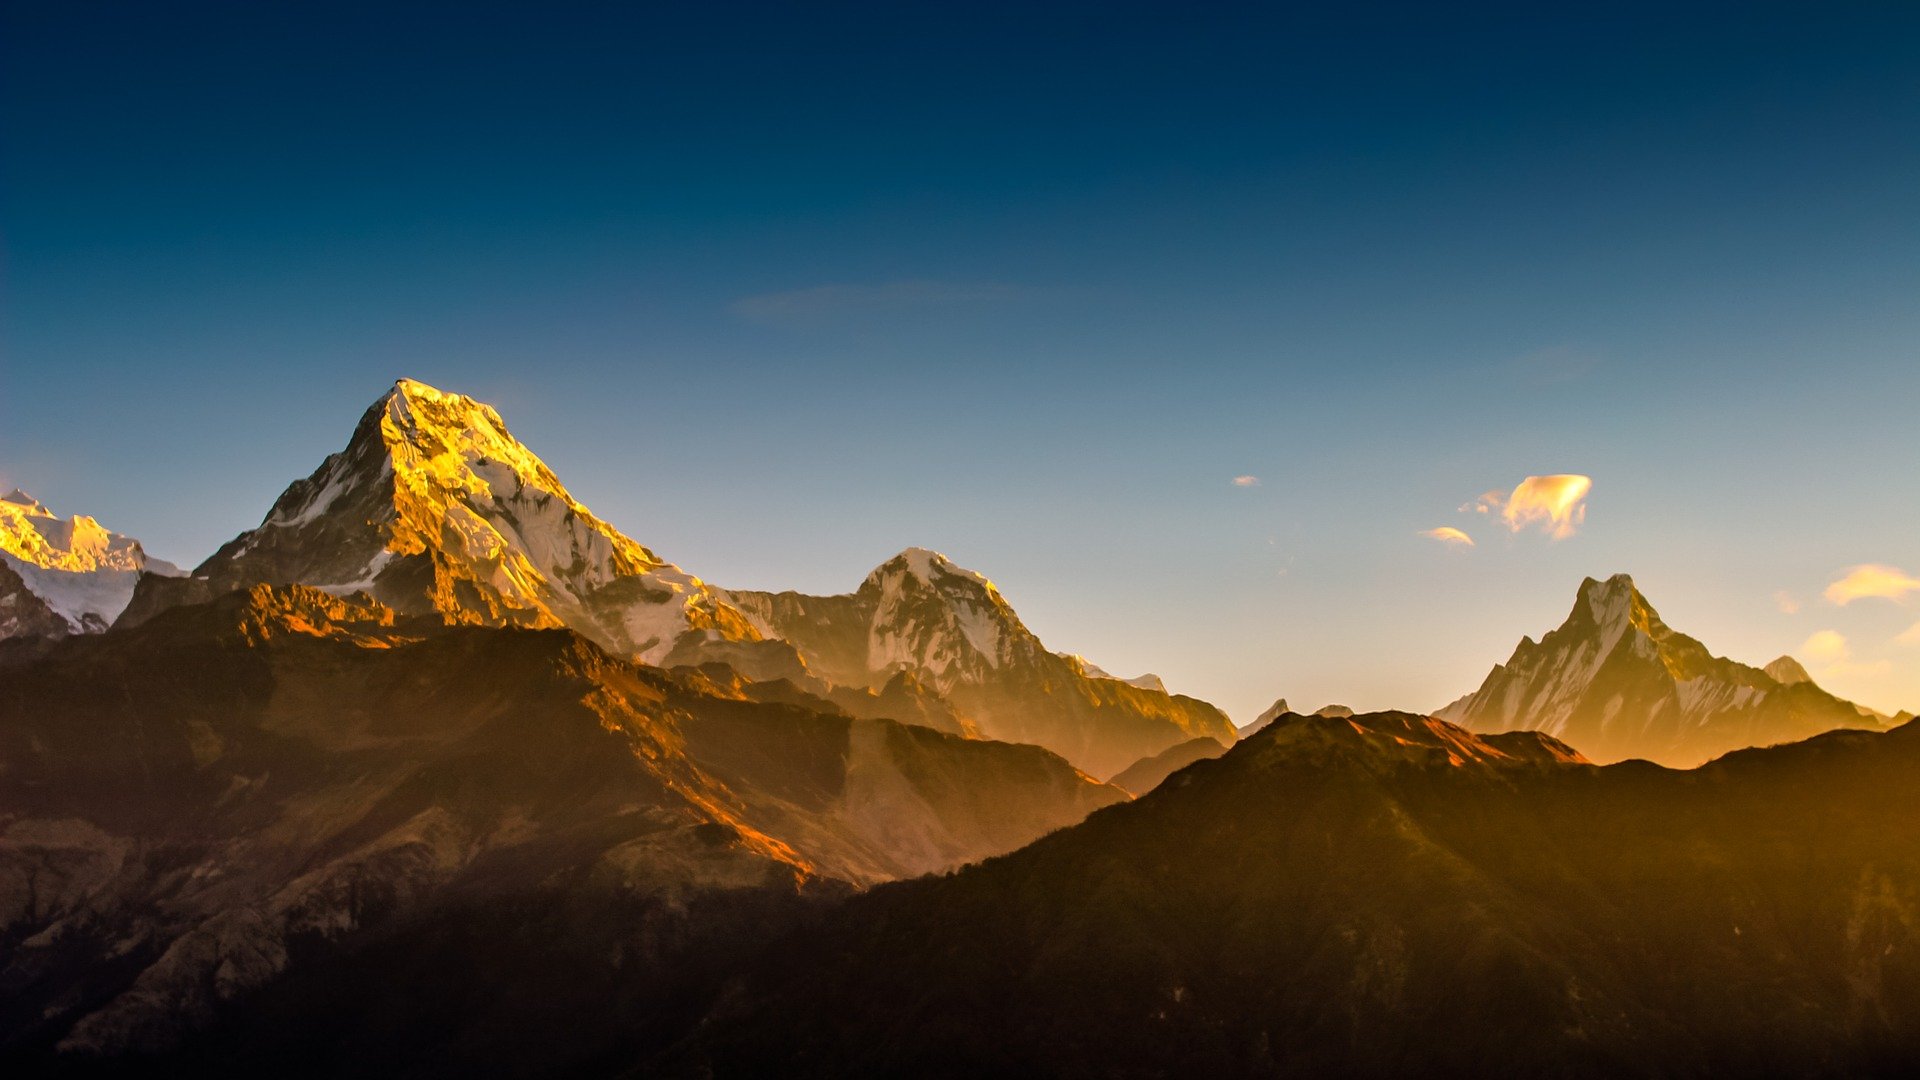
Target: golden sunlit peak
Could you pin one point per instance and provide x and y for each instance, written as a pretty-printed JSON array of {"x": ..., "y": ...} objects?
[{"x": 924, "y": 563}]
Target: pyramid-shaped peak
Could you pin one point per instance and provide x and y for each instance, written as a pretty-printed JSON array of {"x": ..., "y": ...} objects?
[
  {"x": 1611, "y": 603},
  {"x": 1787, "y": 671},
  {"x": 926, "y": 565}
]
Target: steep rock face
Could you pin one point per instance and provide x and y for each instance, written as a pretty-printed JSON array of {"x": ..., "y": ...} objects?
[
  {"x": 188, "y": 801},
  {"x": 919, "y": 612},
  {"x": 433, "y": 506},
  {"x": 1618, "y": 683},
  {"x": 61, "y": 576},
  {"x": 1389, "y": 895}
]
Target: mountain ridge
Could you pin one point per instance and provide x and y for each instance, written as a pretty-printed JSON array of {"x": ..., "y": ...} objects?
[
  {"x": 919, "y": 611},
  {"x": 1618, "y": 682}
]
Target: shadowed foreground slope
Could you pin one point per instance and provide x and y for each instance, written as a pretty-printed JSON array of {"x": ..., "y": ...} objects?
[
  {"x": 1391, "y": 895},
  {"x": 196, "y": 809}
]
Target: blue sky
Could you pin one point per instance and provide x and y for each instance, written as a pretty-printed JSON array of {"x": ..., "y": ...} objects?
[{"x": 780, "y": 291}]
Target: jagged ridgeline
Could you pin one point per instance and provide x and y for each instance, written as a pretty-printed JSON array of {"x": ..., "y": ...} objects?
[
  {"x": 434, "y": 508},
  {"x": 1619, "y": 683}
]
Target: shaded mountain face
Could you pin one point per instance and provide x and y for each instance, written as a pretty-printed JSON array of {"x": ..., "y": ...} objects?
[
  {"x": 433, "y": 506},
  {"x": 1392, "y": 895},
  {"x": 61, "y": 576},
  {"x": 1618, "y": 683},
  {"x": 1146, "y": 774},
  {"x": 952, "y": 629},
  {"x": 193, "y": 805}
]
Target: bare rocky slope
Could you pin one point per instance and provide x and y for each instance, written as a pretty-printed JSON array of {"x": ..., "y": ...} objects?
[{"x": 192, "y": 805}]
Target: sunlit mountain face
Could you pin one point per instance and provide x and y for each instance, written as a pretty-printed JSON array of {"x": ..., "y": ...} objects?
[
  {"x": 433, "y": 727},
  {"x": 1054, "y": 540}
]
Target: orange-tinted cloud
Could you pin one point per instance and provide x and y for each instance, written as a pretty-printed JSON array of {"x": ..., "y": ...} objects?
[
  {"x": 1449, "y": 535},
  {"x": 1246, "y": 481},
  {"x": 1826, "y": 647},
  {"x": 1872, "y": 580},
  {"x": 1557, "y": 504}
]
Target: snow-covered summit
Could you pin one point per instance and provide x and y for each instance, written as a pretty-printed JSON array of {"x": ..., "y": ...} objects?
[
  {"x": 64, "y": 575},
  {"x": 434, "y": 506},
  {"x": 951, "y": 628},
  {"x": 1616, "y": 681}
]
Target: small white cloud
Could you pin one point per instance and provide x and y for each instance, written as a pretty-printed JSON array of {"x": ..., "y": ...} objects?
[
  {"x": 1246, "y": 481},
  {"x": 1449, "y": 536},
  {"x": 1872, "y": 580},
  {"x": 1786, "y": 602}
]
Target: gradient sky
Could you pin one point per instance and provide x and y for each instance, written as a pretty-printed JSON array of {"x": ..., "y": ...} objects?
[{"x": 781, "y": 291}]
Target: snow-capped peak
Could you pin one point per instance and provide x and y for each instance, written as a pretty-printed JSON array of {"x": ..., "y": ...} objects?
[
  {"x": 1787, "y": 671},
  {"x": 1610, "y": 603},
  {"x": 79, "y": 569},
  {"x": 35, "y": 535},
  {"x": 26, "y": 502},
  {"x": 435, "y": 504},
  {"x": 927, "y": 565}
]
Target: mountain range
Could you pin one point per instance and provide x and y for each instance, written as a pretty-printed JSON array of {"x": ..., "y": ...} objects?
[{"x": 435, "y": 773}]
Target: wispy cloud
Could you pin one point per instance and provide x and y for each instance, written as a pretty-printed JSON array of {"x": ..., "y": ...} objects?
[
  {"x": 1872, "y": 580},
  {"x": 820, "y": 303},
  {"x": 1556, "y": 504},
  {"x": 1449, "y": 536},
  {"x": 1831, "y": 650},
  {"x": 1826, "y": 647},
  {"x": 1246, "y": 481},
  {"x": 1910, "y": 636},
  {"x": 1786, "y": 602}
]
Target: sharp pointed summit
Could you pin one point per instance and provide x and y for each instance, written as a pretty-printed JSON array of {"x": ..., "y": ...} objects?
[
  {"x": 434, "y": 506},
  {"x": 1618, "y": 682}
]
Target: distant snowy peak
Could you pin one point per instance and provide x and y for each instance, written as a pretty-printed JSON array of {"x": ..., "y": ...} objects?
[
  {"x": 434, "y": 505},
  {"x": 1787, "y": 671},
  {"x": 946, "y": 622},
  {"x": 951, "y": 628},
  {"x": 1615, "y": 681},
  {"x": 64, "y": 575}
]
